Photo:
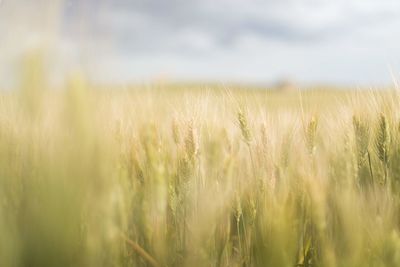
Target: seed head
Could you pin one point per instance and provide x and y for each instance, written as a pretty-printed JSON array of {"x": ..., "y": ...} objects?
[
  {"x": 244, "y": 127},
  {"x": 361, "y": 132},
  {"x": 191, "y": 144},
  {"x": 383, "y": 139},
  {"x": 311, "y": 133}
]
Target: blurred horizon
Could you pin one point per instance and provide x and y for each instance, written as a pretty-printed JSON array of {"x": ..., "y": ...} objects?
[{"x": 258, "y": 42}]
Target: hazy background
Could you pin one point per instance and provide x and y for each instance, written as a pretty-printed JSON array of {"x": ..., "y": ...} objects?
[{"x": 354, "y": 42}]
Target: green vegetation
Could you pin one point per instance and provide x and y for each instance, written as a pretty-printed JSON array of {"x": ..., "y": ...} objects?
[{"x": 198, "y": 177}]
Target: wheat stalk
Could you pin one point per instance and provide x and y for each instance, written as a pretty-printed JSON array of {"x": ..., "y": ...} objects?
[
  {"x": 244, "y": 127},
  {"x": 311, "y": 133},
  {"x": 382, "y": 144},
  {"x": 175, "y": 131},
  {"x": 191, "y": 141},
  {"x": 362, "y": 136}
]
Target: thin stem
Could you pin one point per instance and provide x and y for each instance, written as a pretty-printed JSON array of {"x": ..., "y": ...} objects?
[
  {"x": 370, "y": 167},
  {"x": 139, "y": 250},
  {"x": 252, "y": 161}
]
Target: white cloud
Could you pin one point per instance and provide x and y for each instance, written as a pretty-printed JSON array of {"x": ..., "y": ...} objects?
[{"x": 252, "y": 40}]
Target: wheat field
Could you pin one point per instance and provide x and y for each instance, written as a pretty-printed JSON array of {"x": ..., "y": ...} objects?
[{"x": 216, "y": 175}]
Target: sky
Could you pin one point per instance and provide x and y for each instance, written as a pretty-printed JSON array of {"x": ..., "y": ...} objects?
[{"x": 353, "y": 42}]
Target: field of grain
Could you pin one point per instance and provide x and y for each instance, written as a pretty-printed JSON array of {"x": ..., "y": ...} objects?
[{"x": 201, "y": 176}]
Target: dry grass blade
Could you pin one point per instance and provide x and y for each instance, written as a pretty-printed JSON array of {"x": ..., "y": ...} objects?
[{"x": 139, "y": 250}]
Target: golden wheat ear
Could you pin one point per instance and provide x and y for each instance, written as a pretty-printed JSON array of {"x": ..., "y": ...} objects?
[
  {"x": 191, "y": 141},
  {"x": 382, "y": 144},
  {"x": 244, "y": 126},
  {"x": 311, "y": 133}
]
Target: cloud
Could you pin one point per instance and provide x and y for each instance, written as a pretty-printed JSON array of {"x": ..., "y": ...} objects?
[
  {"x": 197, "y": 26},
  {"x": 285, "y": 20},
  {"x": 226, "y": 39}
]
